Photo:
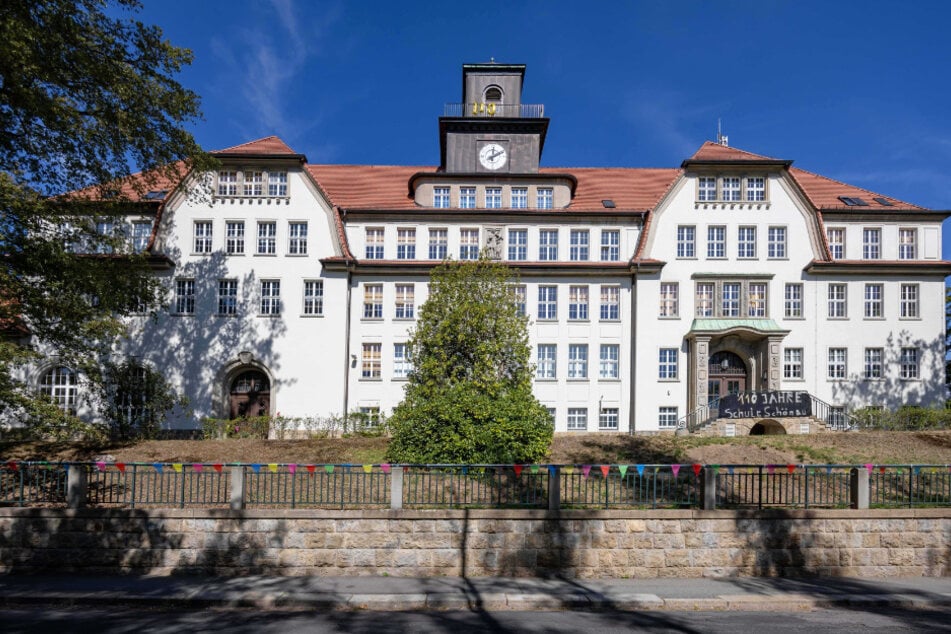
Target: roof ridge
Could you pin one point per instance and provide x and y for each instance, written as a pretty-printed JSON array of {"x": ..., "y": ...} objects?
[{"x": 262, "y": 140}]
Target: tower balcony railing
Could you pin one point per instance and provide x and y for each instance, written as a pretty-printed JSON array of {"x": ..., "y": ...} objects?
[{"x": 490, "y": 110}]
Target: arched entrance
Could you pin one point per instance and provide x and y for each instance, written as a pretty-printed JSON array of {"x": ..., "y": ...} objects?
[
  {"x": 767, "y": 428},
  {"x": 249, "y": 395},
  {"x": 727, "y": 374}
]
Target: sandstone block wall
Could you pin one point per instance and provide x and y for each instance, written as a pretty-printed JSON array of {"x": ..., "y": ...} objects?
[{"x": 582, "y": 544}]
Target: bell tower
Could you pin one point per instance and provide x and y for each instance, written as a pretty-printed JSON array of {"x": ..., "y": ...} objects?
[{"x": 491, "y": 130}]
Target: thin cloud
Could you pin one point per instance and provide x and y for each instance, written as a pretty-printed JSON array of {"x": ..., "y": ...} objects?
[{"x": 667, "y": 117}]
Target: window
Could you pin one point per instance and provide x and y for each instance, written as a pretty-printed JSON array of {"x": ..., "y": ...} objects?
[
  {"x": 267, "y": 238},
  {"x": 401, "y": 362},
  {"x": 545, "y": 198},
  {"x": 468, "y": 244},
  {"x": 313, "y": 297},
  {"x": 704, "y": 300},
  {"x": 610, "y": 361},
  {"x": 909, "y": 363},
  {"x": 441, "y": 197},
  {"x": 907, "y": 244},
  {"x": 837, "y": 363},
  {"x": 578, "y": 302},
  {"x": 837, "y": 417},
  {"x": 667, "y": 417},
  {"x": 405, "y": 301},
  {"x": 746, "y": 242},
  {"x": 297, "y": 238},
  {"x": 547, "y": 302},
  {"x": 373, "y": 301},
  {"x": 669, "y": 303},
  {"x": 610, "y": 245},
  {"x": 185, "y": 297},
  {"x": 227, "y": 297},
  {"x": 254, "y": 183},
  {"x": 438, "y": 244},
  {"x": 756, "y": 300},
  {"x": 837, "y": 301},
  {"x": 548, "y": 245},
  {"x": 369, "y": 417},
  {"x": 577, "y": 419},
  {"x": 277, "y": 184},
  {"x": 547, "y": 363},
  {"x": 60, "y": 385},
  {"x": 667, "y": 364},
  {"x": 202, "y": 237},
  {"x": 706, "y": 189},
  {"x": 270, "y": 297},
  {"x": 234, "y": 237},
  {"x": 755, "y": 189},
  {"x": 518, "y": 291},
  {"x": 792, "y": 305},
  {"x": 873, "y": 363},
  {"x": 909, "y": 301},
  {"x": 871, "y": 244},
  {"x": 493, "y": 197},
  {"x": 610, "y": 303},
  {"x": 405, "y": 243},
  {"x": 730, "y": 189},
  {"x": 578, "y": 245},
  {"x": 374, "y": 243},
  {"x": 518, "y": 244},
  {"x": 467, "y": 197},
  {"x": 141, "y": 232},
  {"x": 873, "y": 301},
  {"x": 608, "y": 420},
  {"x": 836, "y": 239},
  {"x": 519, "y": 197},
  {"x": 716, "y": 241},
  {"x": 776, "y": 243},
  {"x": 686, "y": 241},
  {"x": 370, "y": 361},
  {"x": 227, "y": 183},
  {"x": 578, "y": 361},
  {"x": 106, "y": 232},
  {"x": 730, "y": 299},
  {"x": 792, "y": 363}
]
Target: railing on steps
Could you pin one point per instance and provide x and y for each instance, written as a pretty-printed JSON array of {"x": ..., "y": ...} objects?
[{"x": 832, "y": 417}]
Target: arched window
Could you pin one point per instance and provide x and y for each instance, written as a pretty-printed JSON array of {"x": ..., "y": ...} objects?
[
  {"x": 493, "y": 94},
  {"x": 61, "y": 386}
]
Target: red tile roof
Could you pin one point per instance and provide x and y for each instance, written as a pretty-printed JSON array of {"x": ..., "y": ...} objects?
[
  {"x": 631, "y": 189},
  {"x": 267, "y": 145},
  {"x": 711, "y": 151},
  {"x": 367, "y": 186},
  {"x": 824, "y": 193}
]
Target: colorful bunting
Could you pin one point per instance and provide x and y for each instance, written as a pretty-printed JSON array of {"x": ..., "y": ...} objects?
[
  {"x": 292, "y": 469},
  {"x": 518, "y": 469},
  {"x": 272, "y": 467},
  {"x": 385, "y": 467},
  {"x": 551, "y": 470},
  {"x": 716, "y": 468},
  {"x": 675, "y": 468},
  {"x": 829, "y": 470},
  {"x": 101, "y": 466},
  {"x": 329, "y": 468},
  {"x": 310, "y": 468},
  {"x": 534, "y": 468},
  {"x": 729, "y": 470},
  {"x": 770, "y": 469},
  {"x": 256, "y": 468},
  {"x": 158, "y": 467},
  {"x": 121, "y": 467},
  {"x": 177, "y": 466},
  {"x": 367, "y": 468},
  {"x": 881, "y": 469},
  {"x": 568, "y": 469},
  {"x": 916, "y": 470},
  {"x": 586, "y": 469},
  {"x": 697, "y": 467},
  {"x": 605, "y": 469},
  {"x": 217, "y": 467},
  {"x": 12, "y": 466},
  {"x": 869, "y": 467},
  {"x": 197, "y": 467},
  {"x": 790, "y": 468},
  {"x": 623, "y": 469}
]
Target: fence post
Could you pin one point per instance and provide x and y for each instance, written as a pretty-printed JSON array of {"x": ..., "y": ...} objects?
[
  {"x": 554, "y": 488},
  {"x": 708, "y": 482},
  {"x": 237, "y": 488},
  {"x": 858, "y": 488},
  {"x": 396, "y": 488},
  {"x": 76, "y": 484}
]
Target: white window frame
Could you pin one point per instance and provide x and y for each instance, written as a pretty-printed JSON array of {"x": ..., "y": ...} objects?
[
  {"x": 373, "y": 301},
  {"x": 578, "y": 302},
  {"x": 838, "y": 301},
  {"x": 746, "y": 242},
  {"x": 277, "y": 184},
  {"x": 493, "y": 197},
  {"x": 548, "y": 245},
  {"x": 687, "y": 241},
  {"x": 547, "y": 303},
  {"x": 467, "y": 197},
  {"x": 610, "y": 245},
  {"x": 227, "y": 297},
  {"x": 731, "y": 299},
  {"x": 835, "y": 237},
  {"x": 707, "y": 188},
  {"x": 756, "y": 299},
  {"x": 60, "y": 385},
  {"x": 610, "y": 302},
  {"x": 141, "y": 233},
  {"x": 520, "y": 293},
  {"x": 705, "y": 299},
  {"x": 609, "y": 356},
  {"x": 313, "y": 298},
  {"x": 405, "y": 243},
  {"x": 669, "y": 300},
  {"x": 755, "y": 189},
  {"x": 792, "y": 301},
  {"x": 438, "y": 243},
  {"x": 227, "y": 183},
  {"x": 731, "y": 189},
  {"x": 792, "y": 364},
  {"x": 578, "y": 361},
  {"x": 907, "y": 243},
  {"x": 402, "y": 365},
  {"x": 253, "y": 182},
  {"x": 910, "y": 360},
  {"x": 184, "y": 296},
  {"x": 667, "y": 364},
  {"x": 469, "y": 243},
  {"x": 297, "y": 237},
  {"x": 667, "y": 417},
  {"x": 441, "y": 198},
  {"x": 203, "y": 233},
  {"x": 267, "y": 238},
  {"x": 270, "y": 295},
  {"x": 872, "y": 243},
  {"x": 609, "y": 419},
  {"x": 234, "y": 237},
  {"x": 577, "y": 419},
  {"x": 405, "y": 304},
  {"x": 375, "y": 242},
  {"x": 838, "y": 364},
  {"x": 874, "y": 363},
  {"x": 519, "y": 197},
  {"x": 518, "y": 245},
  {"x": 544, "y": 198},
  {"x": 716, "y": 242},
  {"x": 776, "y": 243},
  {"x": 546, "y": 361},
  {"x": 909, "y": 306},
  {"x": 579, "y": 241},
  {"x": 371, "y": 354},
  {"x": 874, "y": 301}
]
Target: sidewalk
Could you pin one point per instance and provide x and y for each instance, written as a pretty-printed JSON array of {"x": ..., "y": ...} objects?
[{"x": 398, "y": 593}]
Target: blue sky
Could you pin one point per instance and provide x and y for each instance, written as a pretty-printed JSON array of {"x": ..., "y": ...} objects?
[{"x": 853, "y": 90}]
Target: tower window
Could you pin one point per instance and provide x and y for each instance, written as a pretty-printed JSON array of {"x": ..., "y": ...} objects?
[{"x": 493, "y": 93}]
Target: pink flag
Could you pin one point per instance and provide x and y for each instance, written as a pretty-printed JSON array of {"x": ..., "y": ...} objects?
[
  {"x": 675, "y": 468},
  {"x": 292, "y": 468},
  {"x": 586, "y": 469},
  {"x": 869, "y": 467},
  {"x": 101, "y": 466},
  {"x": 770, "y": 469},
  {"x": 197, "y": 467},
  {"x": 385, "y": 467}
]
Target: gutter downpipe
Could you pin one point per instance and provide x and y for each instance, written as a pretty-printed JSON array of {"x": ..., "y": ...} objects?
[
  {"x": 633, "y": 388},
  {"x": 346, "y": 346}
]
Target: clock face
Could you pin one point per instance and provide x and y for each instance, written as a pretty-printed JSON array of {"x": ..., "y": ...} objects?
[{"x": 492, "y": 156}]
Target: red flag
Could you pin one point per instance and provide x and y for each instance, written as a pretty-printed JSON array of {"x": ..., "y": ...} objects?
[
  {"x": 518, "y": 469},
  {"x": 217, "y": 467},
  {"x": 790, "y": 468},
  {"x": 696, "y": 468},
  {"x": 605, "y": 468},
  {"x": 310, "y": 468},
  {"x": 120, "y": 466}
]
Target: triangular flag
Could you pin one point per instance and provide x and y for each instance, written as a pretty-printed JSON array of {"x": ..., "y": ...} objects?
[
  {"x": 329, "y": 468},
  {"x": 790, "y": 468},
  {"x": 256, "y": 468},
  {"x": 177, "y": 466},
  {"x": 292, "y": 469},
  {"x": 729, "y": 470},
  {"x": 605, "y": 469},
  {"x": 869, "y": 467},
  {"x": 217, "y": 467},
  {"x": 121, "y": 467},
  {"x": 770, "y": 468},
  {"x": 881, "y": 469},
  {"x": 568, "y": 469},
  {"x": 696, "y": 468},
  {"x": 101, "y": 466},
  {"x": 385, "y": 467},
  {"x": 657, "y": 469},
  {"x": 158, "y": 466},
  {"x": 518, "y": 469},
  {"x": 716, "y": 468},
  {"x": 675, "y": 468},
  {"x": 197, "y": 467},
  {"x": 12, "y": 466},
  {"x": 623, "y": 469},
  {"x": 465, "y": 470},
  {"x": 534, "y": 468},
  {"x": 310, "y": 468},
  {"x": 916, "y": 470},
  {"x": 367, "y": 468},
  {"x": 586, "y": 469},
  {"x": 551, "y": 470},
  {"x": 828, "y": 469},
  {"x": 272, "y": 467}
]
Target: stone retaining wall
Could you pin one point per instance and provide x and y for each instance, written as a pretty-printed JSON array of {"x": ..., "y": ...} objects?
[{"x": 583, "y": 544}]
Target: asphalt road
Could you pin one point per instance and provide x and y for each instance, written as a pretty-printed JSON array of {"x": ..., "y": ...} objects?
[{"x": 63, "y": 620}]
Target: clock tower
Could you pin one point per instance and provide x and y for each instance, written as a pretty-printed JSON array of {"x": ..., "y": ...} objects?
[{"x": 492, "y": 131}]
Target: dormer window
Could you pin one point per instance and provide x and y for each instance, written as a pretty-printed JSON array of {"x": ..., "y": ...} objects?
[
  {"x": 493, "y": 94},
  {"x": 250, "y": 183},
  {"x": 731, "y": 189}
]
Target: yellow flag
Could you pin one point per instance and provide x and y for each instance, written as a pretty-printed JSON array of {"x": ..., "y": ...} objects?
[
  {"x": 272, "y": 467},
  {"x": 177, "y": 466}
]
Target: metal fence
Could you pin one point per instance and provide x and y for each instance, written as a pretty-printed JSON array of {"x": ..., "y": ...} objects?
[{"x": 347, "y": 486}]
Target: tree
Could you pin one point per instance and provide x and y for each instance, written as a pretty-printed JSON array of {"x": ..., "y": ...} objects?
[
  {"x": 135, "y": 399},
  {"x": 469, "y": 396},
  {"x": 84, "y": 96}
]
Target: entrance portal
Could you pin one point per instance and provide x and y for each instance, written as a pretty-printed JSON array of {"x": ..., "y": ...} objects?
[
  {"x": 767, "y": 428},
  {"x": 250, "y": 395},
  {"x": 727, "y": 375}
]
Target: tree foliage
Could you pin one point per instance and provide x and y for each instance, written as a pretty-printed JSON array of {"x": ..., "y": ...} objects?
[
  {"x": 86, "y": 93},
  {"x": 469, "y": 396}
]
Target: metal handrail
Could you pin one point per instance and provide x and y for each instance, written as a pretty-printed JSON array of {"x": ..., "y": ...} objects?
[{"x": 498, "y": 110}]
